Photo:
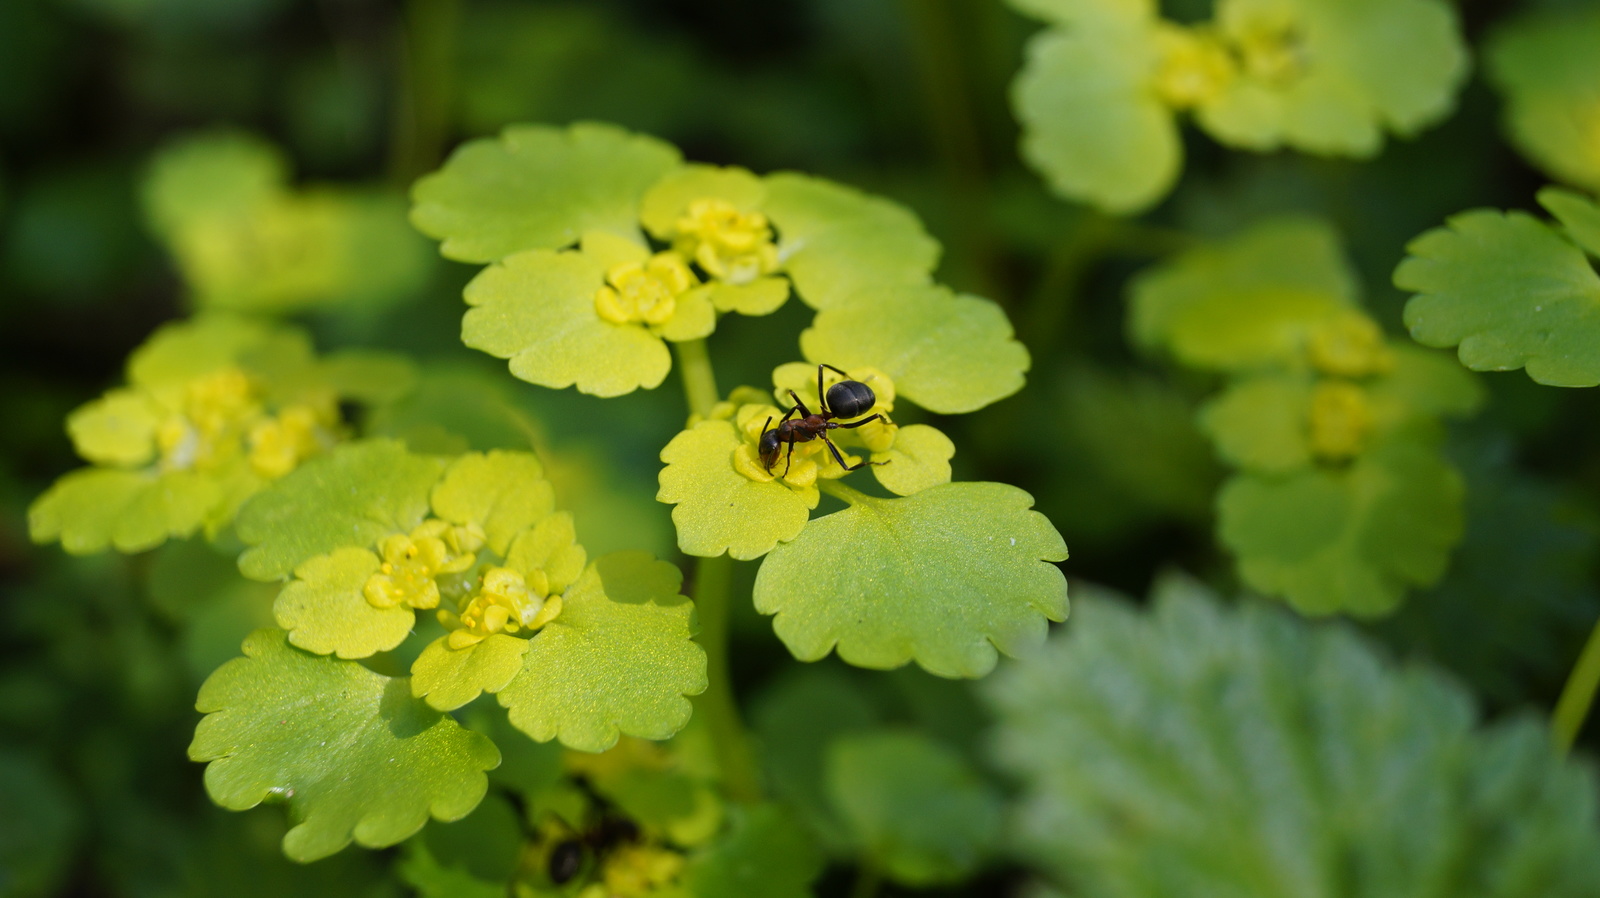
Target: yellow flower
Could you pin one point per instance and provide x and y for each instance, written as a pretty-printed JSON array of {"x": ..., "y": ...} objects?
[
  {"x": 279, "y": 444},
  {"x": 207, "y": 420},
  {"x": 506, "y": 602},
  {"x": 1349, "y": 346},
  {"x": 412, "y": 561},
  {"x": 728, "y": 244},
  {"x": 644, "y": 293},
  {"x": 1195, "y": 67},
  {"x": 1341, "y": 419}
]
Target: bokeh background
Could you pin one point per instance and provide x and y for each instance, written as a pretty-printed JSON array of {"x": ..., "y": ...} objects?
[{"x": 905, "y": 98}]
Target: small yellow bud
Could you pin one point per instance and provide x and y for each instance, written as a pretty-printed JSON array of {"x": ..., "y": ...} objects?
[
  {"x": 1341, "y": 420},
  {"x": 728, "y": 244},
  {"x": 644, "y": 293},
  {"x": 1350, "y": 345},
  {"x": 1195, "y": 67}
]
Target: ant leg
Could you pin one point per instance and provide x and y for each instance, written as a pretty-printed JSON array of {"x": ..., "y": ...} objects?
[
  {"x": 800, "y": 405},
  {"x": 854, "y": 424},
  {"x": 787, "y": 458},
  {"x": 840, "y": 459}
]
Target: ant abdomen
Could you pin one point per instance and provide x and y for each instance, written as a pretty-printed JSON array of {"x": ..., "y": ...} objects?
[{"x": 850, "y": 398}]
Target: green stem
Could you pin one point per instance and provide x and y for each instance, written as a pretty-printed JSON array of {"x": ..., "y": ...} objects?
[
  {"x": 427, "y": 86},
  {"x": 699, "y": 381},
  {"x": 713, "y": 577},
  {"x": 848, "y": 494},
  {"x": 1578, "y": 694}
]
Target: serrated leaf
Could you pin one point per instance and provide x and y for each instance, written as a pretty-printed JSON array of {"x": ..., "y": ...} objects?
[
  {"x": 505, "y": 492},
  {"x": 920, "y": 458},
  {"x": 618, "y": 660},
  {"x": 716, "y": 508},
  {"x": 449, "y": 678},
  {"x": 1513, "y": 610},
  {"x": 538, "y": 187},
  {"x": 537, "y": 310},
  {"x": 325, "y": 610},
  {"x": 92, "y": 508},
  {"x": 1091, "y": 125},
  {"x": 945, "y": 577},
  {"x": 946, "y": 352},
  {"x": 764, "y": 853},
  {"x": 1543, "y": 61},
  {"x": 354, "y": 496},
  {"x": 1510, "y": 293},
  {"x": 837, "y": 242},
  {"x": 1350, "y": 540},
  {"x": 1361, "y": 66},
  {"x": 1199, "y": 749},
  {"x": 116, "y": 429},
  {"x": 1248, "y": 302},
  {"x": 350, "y": 751},
  {"x": 210, "y": 174},
  {"x": 668, "y": 199},
  {"x": 917, "y": 808},
  {"x": 1577, "y": 213}
]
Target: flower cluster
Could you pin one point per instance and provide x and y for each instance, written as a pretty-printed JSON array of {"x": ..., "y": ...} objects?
[
  {"x": 1330, "y": 425},
  {"x": 1317, "y": 75},
  {"x": 214, "y": 409}
]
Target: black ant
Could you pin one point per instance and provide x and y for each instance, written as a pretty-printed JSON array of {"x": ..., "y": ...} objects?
[
  {"x": 567, "y": 857},
  {"x": 845, "y": 399}
]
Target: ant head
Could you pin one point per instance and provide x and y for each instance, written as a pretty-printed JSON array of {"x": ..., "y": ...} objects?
[
  {"x": 850, "y": 399},
  {"x": 768, "y": 445}
]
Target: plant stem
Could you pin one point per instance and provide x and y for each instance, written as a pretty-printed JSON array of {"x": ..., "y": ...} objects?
[
  {"x": 848, "y": 494},
  {"x": 427, "y": 86},
  {"x": 1578, "y": 694},
  {"x": 699, "y": 381},
  {"x": 716, "y": 707}
]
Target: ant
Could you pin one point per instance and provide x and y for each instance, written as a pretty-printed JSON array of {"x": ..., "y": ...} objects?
[
  {"x": 567, "y": 857},
  {"x": 845, "y": 399}
]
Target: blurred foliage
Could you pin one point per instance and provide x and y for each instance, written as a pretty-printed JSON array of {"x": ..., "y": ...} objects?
[{"x": 346, "y": 101}]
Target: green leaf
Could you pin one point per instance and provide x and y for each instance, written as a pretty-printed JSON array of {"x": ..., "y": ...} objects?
[
  {"x": 505, "y": 492},
  {"x": 1291, "y": 759},
  {"x": 1513, "y": 610},
  {"x": 1543, "y": 61},
  {"x": 618, "y": 660},
  {"x": 210, "y": 174},
  {"x": 762, "y": 296},
  {"x": 839, "y": 244},
  {"x": 368, "y": 376},
  {"x": 669, "y": 198},
  {"x": 796, "y": 719},
  {"x": 449, "y": 678},
  {"x": 1091, "y": 125},
  {"x": 717, "y": 509},
  {"x": 1357, "y": 67},
  {"x": 486, "y": 843},
  {"x": 917, "y": 808},
  {"x": 354, "y": 496},
  {"x": 945, "y": 577},
  {"x": 1261, "y": 423},
  {"x": 765, "y": 853},
  {"x": 1068, "y": 12},
  {"x": 119, "y": 428},
  {"x": 1511, "y": 292},
  {"x": 432, "y": 879},
  {"x": 1349, "y": 540},
  {"x": 351, "y": 752},
  {"x": 131, "y": 511},
  {"x": 1577, "y": 213},
  {"x": 538, "y": 187},
  {"x": 39, "y": 828},
  {"x": 946, "y": 352},
  {"x": 537, "y": 309},
  {"x": 326, "y": 611},
  {"x": 454, "y": 409},
  {"x": 920, "y": 458},
  {"x": 1248, "y": 302},
  {"x": 184, "y": 350}
]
